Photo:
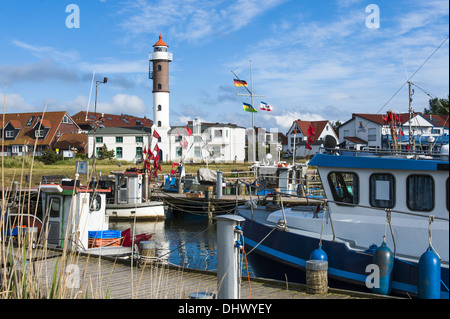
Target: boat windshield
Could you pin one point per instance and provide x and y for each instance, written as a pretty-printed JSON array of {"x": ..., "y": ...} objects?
[{"x": 344, "y": 187}]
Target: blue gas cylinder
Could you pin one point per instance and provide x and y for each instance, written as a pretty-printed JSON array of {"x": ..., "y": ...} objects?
[
  {"x": 384, "y": 259},
  {"x": 318, "y": 254},
  {"x": 429, "y": 281}
]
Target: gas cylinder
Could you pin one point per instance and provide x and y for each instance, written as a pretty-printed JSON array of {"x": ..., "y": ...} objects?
[
  {"x": 318, "y": 254},
  {"x": 384, "y": 259},
  {"x": 429, "y": 281}
]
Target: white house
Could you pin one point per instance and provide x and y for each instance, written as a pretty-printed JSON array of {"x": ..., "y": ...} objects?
[
  {"x": 209, "y": 142},
  {"x": 127, "y": 143},
  {"x": 297, "y": 137},
  {"x": 371, "y": 130}
]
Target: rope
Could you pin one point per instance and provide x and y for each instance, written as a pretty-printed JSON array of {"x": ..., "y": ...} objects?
[{"x": 248, "y": 275}]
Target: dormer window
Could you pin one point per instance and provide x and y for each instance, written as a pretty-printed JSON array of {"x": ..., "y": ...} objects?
[
  {"x": 9, "y": 134},
  {"x": 39, "y": 133}
]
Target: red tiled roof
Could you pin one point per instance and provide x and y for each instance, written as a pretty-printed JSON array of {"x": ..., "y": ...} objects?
[
  {"x": 28, "y": 121},
  {"x": 356, "y": 140},
  {"x": 112, "y": 120},
  {"x": 317, "y": 125}
]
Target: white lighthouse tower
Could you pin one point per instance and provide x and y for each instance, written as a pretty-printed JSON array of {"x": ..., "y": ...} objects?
[{"x": 159, "y": 72}]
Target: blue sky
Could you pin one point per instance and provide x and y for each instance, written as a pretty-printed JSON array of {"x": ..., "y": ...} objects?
[{"x": 312, "y": 60}]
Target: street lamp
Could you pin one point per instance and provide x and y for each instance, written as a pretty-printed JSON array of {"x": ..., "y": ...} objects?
[{"x": 96, "y": 124}]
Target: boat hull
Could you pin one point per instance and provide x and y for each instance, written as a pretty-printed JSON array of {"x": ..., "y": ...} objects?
[
  {"x": 282, "y": 255},
  {"x": 142, "y": 211}
]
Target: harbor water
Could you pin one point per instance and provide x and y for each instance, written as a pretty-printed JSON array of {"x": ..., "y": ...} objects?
[{"x": 185, "y": 240}]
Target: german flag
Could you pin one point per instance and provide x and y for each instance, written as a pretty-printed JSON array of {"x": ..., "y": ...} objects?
[{"x": 240, "y": 83}]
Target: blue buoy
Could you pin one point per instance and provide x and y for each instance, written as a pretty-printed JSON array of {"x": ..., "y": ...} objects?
[
  {"x": 429, "y": 281},
  {"x": 384, "y": 259},
  {"x": 318, "y": 254}
]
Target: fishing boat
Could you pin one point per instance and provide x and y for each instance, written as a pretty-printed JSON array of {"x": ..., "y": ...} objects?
[
  {"x": 282, "y": 176},
  {"x": 129, "y": 200},
  {"x": 376, "y": 203},
  {"x": 74, "y": 218}
]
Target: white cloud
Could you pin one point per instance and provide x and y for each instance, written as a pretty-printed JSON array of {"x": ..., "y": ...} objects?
[{"x": 14, "y": 102}]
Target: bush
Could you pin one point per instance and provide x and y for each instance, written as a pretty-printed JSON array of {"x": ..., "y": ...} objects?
[{"x": 49, "y": 156}]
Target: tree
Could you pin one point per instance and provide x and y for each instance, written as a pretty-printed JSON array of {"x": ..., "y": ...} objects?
[
  {"x": 437, "y": 106},
  {"x": 49, "y": 156},
  {"x": 103, "y": 153}
]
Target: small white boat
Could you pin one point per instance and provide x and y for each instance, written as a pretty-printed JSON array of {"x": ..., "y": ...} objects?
[{"x": 128, "y": 201}]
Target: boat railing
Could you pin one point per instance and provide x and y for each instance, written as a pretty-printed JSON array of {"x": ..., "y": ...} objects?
[{"x": 382, "y": 153}]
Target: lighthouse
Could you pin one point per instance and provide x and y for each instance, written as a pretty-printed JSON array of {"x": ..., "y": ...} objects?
[{"x": 159, "y": 72}]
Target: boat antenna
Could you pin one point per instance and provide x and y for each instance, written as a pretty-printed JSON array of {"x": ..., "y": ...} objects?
[{"x": 90, "y": 94}]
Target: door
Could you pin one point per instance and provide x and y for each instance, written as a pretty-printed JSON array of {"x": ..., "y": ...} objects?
[{"x": 54, "y": 211}]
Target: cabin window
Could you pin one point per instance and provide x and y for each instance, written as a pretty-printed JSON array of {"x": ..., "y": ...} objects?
[
  {"x": 139, "y": 139},
  {"x": 9, "y": 134},
  {"x": 55, "y": 206},
  {"x": 420, "y": 192},
  {"x": 382, "y": 190},
  {"x": 119, "y": 139},
  {"x": 344, "y": 187},
  {"x": 99, "y": 139},
  {"x": 96, "y": 203}
]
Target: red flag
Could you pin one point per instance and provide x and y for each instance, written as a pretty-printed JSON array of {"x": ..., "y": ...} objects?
[
  {"x": 310, "y": 141},
  {"x": 307, "y": 146},
  {"x": 156, "y": 148},
  {"x": 311, "y": 130},
  {"x": 145, "y": 149},
  {"x": 155, "y": 134}
]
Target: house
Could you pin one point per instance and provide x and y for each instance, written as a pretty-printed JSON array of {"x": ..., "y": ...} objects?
[
  {"x": 372, "y": 130},
  {"x": 22, "y": 131},
  {"x": 86, "y": 121},
  {"x": 128, "y": 143},
  {"x": 297, "y": 137},
  {"x": 197, "y": 142}
]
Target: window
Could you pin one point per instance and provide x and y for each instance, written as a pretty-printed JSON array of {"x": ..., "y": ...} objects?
[
  {"x": 179, "y": 151},
  {"x": 382, "y": 190},
  {"x": 197, "y": 152},
  {"x": 372, "y": 136},
  {"x": 9, "y": 134},
  {"x": 159, "y": 86},
  {"x": 420, "y": 192},
  {"x": 98, "y": 139},
  {"x": 159, "y": 123},
  {"x": 159, "y": 67},
  {"x": 118, "y": 152},
  {"x": 96, "y": 203},
  {"x": 39, "y": 133},
  {"x": 218, "y": 133},
  {"x": 344, "y": 187},
  {"x": 119, "y": 139},
  {"x": 178, "y": 138},
  {"x": 139, "y": 139},
  {"x": 138, "y": 152},
  {"x": 159, "y": 107},
  {"x": 55, "y": 205},
  {"x": 30, "y": 120}
]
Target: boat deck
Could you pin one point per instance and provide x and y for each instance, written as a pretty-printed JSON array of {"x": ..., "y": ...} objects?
[{"x": 87, "y": 276}]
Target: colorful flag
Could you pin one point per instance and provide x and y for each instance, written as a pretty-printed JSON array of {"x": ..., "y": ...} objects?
[
  {"x": 155, "y": 134},
  {"x": 265, "y": 107},
  {"x": 310, "y": 140},
  {"x": 249, "y": 108},
  {"x": 239, "y": 83},
  {"x": 188, "y": 131},
  {"x": 307, "y": 146},
  {"x": 311, "y": 131},
  {"x": 156, "y": 149}
]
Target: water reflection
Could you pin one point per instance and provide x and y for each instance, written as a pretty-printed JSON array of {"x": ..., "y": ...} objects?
[{"x": 186, "y": 241}]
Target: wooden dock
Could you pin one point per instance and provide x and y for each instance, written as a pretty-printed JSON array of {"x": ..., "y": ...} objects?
[{"x": 89, "y": 277}]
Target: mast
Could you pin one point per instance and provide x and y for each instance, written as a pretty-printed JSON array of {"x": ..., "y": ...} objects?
[{"x": 253, "y": 115}]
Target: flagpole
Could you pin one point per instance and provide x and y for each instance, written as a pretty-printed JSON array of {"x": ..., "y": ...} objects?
[{"x": 253, "y": 116}]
